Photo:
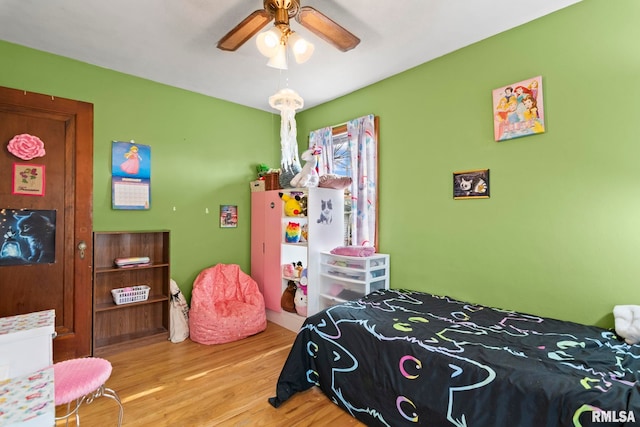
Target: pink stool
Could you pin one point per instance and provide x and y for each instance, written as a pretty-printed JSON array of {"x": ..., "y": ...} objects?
[{"x": 82, "y": 380}]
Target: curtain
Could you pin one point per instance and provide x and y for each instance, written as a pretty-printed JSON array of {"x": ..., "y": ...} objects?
[
  {"x": 364, "y": 159},
  {"x": 362, "y": 146},
  {"x": 322, "y": 138}
]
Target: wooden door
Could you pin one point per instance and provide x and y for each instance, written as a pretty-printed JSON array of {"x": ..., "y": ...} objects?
[{"x": 45, "y": 214}]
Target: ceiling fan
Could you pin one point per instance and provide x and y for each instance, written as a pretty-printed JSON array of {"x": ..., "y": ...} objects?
[{"x": 281, "y": 11}]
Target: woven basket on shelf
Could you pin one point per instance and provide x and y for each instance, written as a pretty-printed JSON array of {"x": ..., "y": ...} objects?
[{"x": 272, "y": 181}]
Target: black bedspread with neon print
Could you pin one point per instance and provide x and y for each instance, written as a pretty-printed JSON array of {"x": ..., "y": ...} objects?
[{"x": 404, "y": 358}]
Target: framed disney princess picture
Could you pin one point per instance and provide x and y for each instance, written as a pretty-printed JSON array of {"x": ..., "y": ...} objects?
[{"x": 518, "y": 109}]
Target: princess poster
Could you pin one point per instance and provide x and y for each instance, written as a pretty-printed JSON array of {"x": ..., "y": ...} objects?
[
  {"x": 130, "y": 175},
  {"x": 518, "y": 109},
  {"x": 130, "y": 160}
]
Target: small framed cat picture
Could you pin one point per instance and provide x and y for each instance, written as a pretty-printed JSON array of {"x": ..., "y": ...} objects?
[{"x": 471, "y": 184}]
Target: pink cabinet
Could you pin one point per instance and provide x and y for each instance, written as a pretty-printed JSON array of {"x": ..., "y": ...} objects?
[
  {"x": 323, "y": 229},
  {"x": 266, "y": 213}
]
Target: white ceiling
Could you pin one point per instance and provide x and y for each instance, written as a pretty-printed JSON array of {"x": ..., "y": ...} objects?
[{"x": 174, "y": 41}]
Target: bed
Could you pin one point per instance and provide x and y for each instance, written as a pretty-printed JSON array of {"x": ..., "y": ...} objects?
[{"x": 406, "y": 358}]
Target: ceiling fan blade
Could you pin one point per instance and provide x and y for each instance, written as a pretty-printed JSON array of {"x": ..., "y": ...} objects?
[
  {"x": 326, "y": 28},
  {"x": 245, "y": 30}
]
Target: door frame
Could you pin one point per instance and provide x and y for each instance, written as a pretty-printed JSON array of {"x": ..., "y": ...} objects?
[{"x": 73, "y": 326}]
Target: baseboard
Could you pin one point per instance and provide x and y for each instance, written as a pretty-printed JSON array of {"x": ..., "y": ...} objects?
[{"x": 291, "y": 321}]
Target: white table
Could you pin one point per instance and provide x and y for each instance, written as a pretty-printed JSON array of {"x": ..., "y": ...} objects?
[{"x": 27, "y": 392}]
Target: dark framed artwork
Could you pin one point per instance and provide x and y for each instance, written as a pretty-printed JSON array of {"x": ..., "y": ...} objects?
[
  {"x": 471, "y": 184},
  {"x": 28, "y": 236}
]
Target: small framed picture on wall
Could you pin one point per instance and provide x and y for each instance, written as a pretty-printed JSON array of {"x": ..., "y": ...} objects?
[
  {"x": 228, "y": 216},
  {"x": 28, "y": 179},
  {"x": 518, "y": 109},
  {"x": 471, "y": 184}
]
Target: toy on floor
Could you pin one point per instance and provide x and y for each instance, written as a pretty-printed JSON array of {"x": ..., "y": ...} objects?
[{"x": 308, "y": 176}]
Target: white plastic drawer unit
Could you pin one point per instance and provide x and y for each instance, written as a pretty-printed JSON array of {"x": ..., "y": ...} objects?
[
  {"x": 345, "y": 278},
  {"x": 357, "y": 268},
  {"x": 26, "y": 343}
]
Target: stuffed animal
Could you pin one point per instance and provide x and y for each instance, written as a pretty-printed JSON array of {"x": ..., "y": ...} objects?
[
  {"x": 292, "y": 233},
  {"x": 262, "y": 169},
  {"x": 299, "y": 269},
  {"x": 303, "y": 204},
  {"x": 287, "y": 301},
  {"x": 288, "y": 270},
  {"x": 300, "y": 300},
  {"x": 292, "y": 205},
  {"x": 627, "y": 322},
  {"x": 308, "y": 176}
]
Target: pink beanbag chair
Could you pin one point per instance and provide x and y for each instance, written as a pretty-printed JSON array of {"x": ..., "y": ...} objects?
[{"x": 226, "y": 305}]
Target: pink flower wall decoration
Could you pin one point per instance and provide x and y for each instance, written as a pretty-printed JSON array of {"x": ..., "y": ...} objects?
[{"x": 26, "y": 147}]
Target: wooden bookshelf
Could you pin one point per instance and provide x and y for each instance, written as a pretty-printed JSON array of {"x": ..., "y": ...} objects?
[{"x": 136, "y": 323}]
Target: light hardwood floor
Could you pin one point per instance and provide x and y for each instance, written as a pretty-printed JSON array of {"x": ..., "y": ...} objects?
[{"x": 193, "y": 385}]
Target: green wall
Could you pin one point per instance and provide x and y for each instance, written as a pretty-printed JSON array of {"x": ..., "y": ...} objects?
[
  {"x": 203, "y": 154},
  {"x": 559, "y": 235}
]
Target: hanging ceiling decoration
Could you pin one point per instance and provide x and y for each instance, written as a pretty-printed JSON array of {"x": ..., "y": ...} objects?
[
  {"x": 273, "y": 43},
  {"x": 287, "y": 101}
]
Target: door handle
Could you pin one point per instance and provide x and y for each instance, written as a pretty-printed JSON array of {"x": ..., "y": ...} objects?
[{"x": 81, "y": 247}]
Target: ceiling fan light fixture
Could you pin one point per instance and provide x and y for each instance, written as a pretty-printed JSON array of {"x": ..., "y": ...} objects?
[
  {"x": 279, "y": 60},
  {"x": 268, "y": 42},
  {"x": 302, "y": 49}
]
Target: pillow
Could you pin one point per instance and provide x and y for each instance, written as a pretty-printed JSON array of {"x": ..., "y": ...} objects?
[
  {"x": 627, "y": 322},
  {"x": 334, "y": 181}
]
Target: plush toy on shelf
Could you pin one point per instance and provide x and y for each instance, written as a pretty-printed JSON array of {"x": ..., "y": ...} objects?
[
  {"x": 299, "y": 269},
  {"x": 262, "y": 170},
  {"x": 292, "y": 205},
  {"x": 303, "y": 203},
  {"x": 292, "y": 233},
  {"x": 308, "y": 176},
  {"x": 288, "y": 270},
  {"x": 287, "y": 301},
  {"x": 300, "y": 300}
]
